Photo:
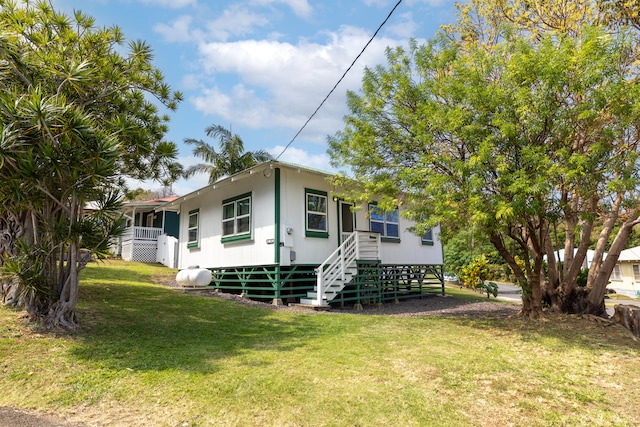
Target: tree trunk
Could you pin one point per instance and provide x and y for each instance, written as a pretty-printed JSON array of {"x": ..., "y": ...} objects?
[
  {"x": 629, "y": 317},
  {"x": 61, "y": 314},
  {"x": 598, "y": 285}
]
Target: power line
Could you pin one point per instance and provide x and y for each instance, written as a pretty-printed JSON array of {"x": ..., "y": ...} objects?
[{"x": 340, "y": 80}]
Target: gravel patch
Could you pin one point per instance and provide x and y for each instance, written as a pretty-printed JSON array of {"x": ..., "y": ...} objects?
[{"x": 428, "y": 305}]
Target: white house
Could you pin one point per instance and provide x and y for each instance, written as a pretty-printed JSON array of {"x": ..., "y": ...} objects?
[
  {"x": 625, "y": 277},
  {"x": 150, "y": 232},
  {"x": 279, "y": 232}
]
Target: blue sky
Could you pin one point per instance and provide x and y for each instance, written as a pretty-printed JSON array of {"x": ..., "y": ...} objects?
[{"x": 261, "y": 67}]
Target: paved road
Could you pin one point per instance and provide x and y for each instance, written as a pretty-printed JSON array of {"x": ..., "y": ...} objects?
[{"x": 509, "y": 292}]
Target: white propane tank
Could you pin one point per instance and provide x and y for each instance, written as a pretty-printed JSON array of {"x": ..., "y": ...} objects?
[{"x": 194, "y": 277}]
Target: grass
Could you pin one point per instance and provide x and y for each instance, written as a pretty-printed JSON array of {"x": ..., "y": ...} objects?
[{"x": 149, "y": 355}]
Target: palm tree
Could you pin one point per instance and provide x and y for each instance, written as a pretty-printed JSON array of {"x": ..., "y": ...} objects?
[{"x": 231, "y": 159}]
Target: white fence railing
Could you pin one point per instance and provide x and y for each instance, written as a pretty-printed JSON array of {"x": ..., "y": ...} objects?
[
  {"x": 358, "y": 245},
  {"x": 142, "y": 233}
]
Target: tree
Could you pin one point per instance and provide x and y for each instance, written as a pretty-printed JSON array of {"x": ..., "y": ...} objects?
[
  {"x": 231, "y": 159},
  {"x": 512, "y": 128},
  {"x": 74, "y": 121}
]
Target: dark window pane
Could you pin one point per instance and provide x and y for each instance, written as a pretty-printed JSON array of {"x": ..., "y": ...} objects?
[
  {"x": 227, "y": 228},
  {"x": 392, "y": 216},
  {"x": 392, "y": 230},
  {"x": 228, "y": 211},
  {"x": 243, "y": 225},
  {"x": 376, "y": 214},
  {"x": 244, "y": 207},
  {"x": 316, "y": 222},
  {"x": 377, "y": 227},
  {"x": 193, "y": 220}
]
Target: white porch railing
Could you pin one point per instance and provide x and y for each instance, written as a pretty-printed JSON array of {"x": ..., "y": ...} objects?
[
  {"x": 142, "y": 233},
  {"x": 332, "y": 274}
]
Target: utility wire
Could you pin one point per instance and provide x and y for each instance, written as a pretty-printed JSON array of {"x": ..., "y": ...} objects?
[{"x": 340, "y": 80}]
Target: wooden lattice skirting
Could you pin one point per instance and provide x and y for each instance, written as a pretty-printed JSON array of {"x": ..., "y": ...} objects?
[{"x": 374, "y": 282}]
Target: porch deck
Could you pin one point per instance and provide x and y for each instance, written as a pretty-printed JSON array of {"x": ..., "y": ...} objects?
[{"x": 140, "y": 244}]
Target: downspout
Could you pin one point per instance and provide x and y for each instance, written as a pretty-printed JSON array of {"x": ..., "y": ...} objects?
[
  {"x": 442, "y": 252},
  {"x": 276, "y": 238}
]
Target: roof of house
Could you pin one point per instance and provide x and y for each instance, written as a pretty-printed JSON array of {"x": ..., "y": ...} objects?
[
  {"x": 151, "y": 202},
  {"x": 265, "y": 168},
  {"x": 631, "y": 254},
  {"x": 560, "y": 255}
]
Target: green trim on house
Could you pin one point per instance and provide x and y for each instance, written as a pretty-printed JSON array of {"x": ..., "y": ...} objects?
[
  {"x": 277, "y": 229},
  {"x": 265, "y": 282},
  {"x": 238, "y": 238},
  {"x": 234, "y": 198},
  {"x": 277, "y": 225},
  {"x": 316, "y": 234},
  {"x": 373, "y": 283},
  {"x": 390, "y": 239}
]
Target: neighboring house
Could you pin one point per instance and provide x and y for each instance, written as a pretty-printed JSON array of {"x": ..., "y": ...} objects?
[
  {"x": 278, "y": 232},
  {"x": 145, "y": 225},
  {"x": 586, "y": 263},
  {"x": 625, "y": 277}
]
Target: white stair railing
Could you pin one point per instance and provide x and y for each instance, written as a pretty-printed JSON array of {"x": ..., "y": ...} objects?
[{"x": 333, "y": 271}]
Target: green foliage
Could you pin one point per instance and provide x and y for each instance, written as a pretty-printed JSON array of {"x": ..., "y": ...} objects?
[
  {"x": 582, "y": 277},
  {"x": 475, "y": 273},
  {"x": 229, "y": 160},
  {"x": 505, "y": 134},
  {"x": 490, "y": 288},
  {"x": 76, "y": 119}
]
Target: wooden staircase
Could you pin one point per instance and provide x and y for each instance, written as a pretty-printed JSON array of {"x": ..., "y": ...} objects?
[{"x": 340, "y": 267}]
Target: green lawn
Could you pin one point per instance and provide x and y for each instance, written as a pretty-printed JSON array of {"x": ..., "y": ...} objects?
[{"x": 149, "y": 355}]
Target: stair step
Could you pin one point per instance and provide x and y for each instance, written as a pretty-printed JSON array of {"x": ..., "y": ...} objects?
[
  {"x": 313, "y": 302},
  {"x": 327, "y": 294}
]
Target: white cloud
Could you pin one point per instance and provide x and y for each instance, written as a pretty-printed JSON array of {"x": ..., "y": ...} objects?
[
  {"x": 390, "y": 3},
  {"x": 299, "y": 7},
  {"x": 237, "y": 20},
  {"x": 405, "y": 28},
  {"x": 281, "y": 84},
  {"x": 172, "y": 4},
  {"x": 178, "y": 31},
  {"x": 303, "y": 158}
]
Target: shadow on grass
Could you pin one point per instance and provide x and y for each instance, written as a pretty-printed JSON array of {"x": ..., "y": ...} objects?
[
  {"x": 129, "y": 324},
  {"x": 137, "y": 326}
]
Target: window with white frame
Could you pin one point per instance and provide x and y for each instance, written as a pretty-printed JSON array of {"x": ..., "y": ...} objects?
[
  {"x": 636, "y": 272},
  {"x": 385, "y": 223},
  {"x": 316, "y": 213},
  {"x": 194, "y": 229},
  {"x": 236, "y": 218},
  {"x": 616, "y": 274}
]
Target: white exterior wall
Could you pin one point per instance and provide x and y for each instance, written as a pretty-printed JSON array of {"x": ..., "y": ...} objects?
[
  {"x": 313, "y": 250},
  {"x": 308, "y": 250},
  {"x": 211, "y": 252},
  {"x": 294, "y": 244}
]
